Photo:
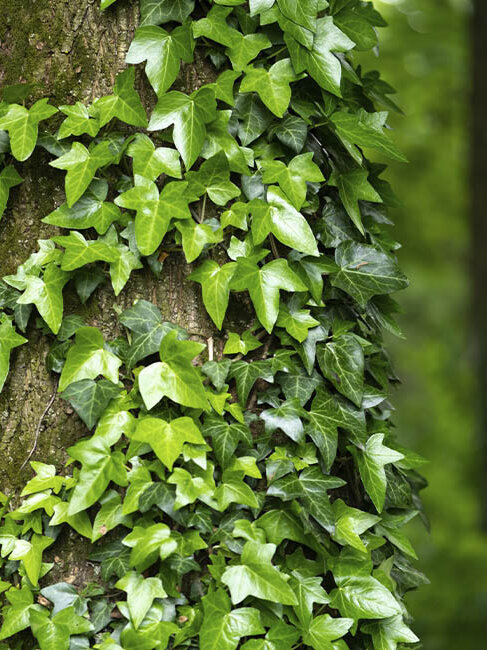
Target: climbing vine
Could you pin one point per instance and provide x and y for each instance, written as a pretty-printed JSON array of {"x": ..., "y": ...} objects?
[{"x": 255, "y": 498}]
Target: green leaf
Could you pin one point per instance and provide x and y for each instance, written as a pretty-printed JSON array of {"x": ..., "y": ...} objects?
[
  {"x": 124, "y": 104},
  {"x": 225, "y": 438},
  {"x": 272, "y": 86},
  {"x": 167, "y": 438},
  {"x": 151, "y": 162},
  {"x": 219, "y": 138},
  {"x": 235, "y": 490},
  {"x": 54, "y": 633},
  {"x": 280, "y": 525},
  {"x": 215, "y": 282},
  {"x": 253, "y": 116},
  {"x": 213, "y": 177},
  {"x": 303, "y": 13},
  {"x": 109, "y": 516},
  {"x": 81, "y": 165},
  {"x": 154, "y": 211},
  {"x": 22, "y": 126},
  {"x": 241, "y": 344},
  {"x": 244, "y": 49},
  {"x": 162, "y": 51},
  {"x": 371, "y": 460},
  {"x": 158, "y": 12},
  {"x": 366, "y": 271},
  {"x": 141, "y": 593},
  {"x": 46, "y": 294},
  {"x": 246, "y": 374},
  {"x": 352, "y": 186},
  {"x": 149, "y": 544},
  {"x": 64, "y": 595},
  {"x": 365, "y": 130},
  {"x": 364, "y": 597},
  {"x": 9, "y": 340},
  {"x": 263, "y": 285},
  {"x": 90, "y": 211},
  {"x": 223, "y": 627},
  {"x": 350, "y": 524},
  {"x": 174, "y": 377},
  {"x": 257, "y": 577},
  {"x": 89, "y": 398},
  {"x": 324, "y": 629},
  {"x": 16, "y": 616},
  {"x": 308, "y": 591},
  {"x": 292, "y": 133},
  {"x": 342, "y": 362},
  {"x": 189, "y": 114},
  {"x": 30, "y": 552},
  {"x": 77, "y": 122},
  {"x": 100, "y": 466},
  {"x": 286, "y": 417},
  {"x": 297, "y": 322},
  {"x": 278, "y": 216},
  {"x": 8, "y": 179},
  {"x": 292, "y": 179},
  {"x": 87, "y": 359},
  {"x": 386, "y": 634},
  {"x": 215, "y": 27},
  {"x": 190, "y": 487},
  {"x": 357, "y": 27}
]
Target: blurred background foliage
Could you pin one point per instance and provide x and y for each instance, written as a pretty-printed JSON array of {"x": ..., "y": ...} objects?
[{"x": 425, "y": 55}]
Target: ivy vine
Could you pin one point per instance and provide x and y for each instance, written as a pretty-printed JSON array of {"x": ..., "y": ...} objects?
[{"x": 257, "y": 499}]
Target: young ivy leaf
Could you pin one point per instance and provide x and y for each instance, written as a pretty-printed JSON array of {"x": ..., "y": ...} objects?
[
  {"x": 264, "y": 284},
  {"x": 54, "y": 633},
  {"x": 363, "y": 597},
  {"x": 8, "y": 178},
  {"x": 215, "y": 27},
  {"x": 302, "y": 13},
  {"x": 215, "y": 282},
  {"x": 46, "y": 294},
  {"x": 90, "y": 211},
  {"x": 244, "y": 49},
  {"x": 175, "y": 376},
  {"x": 81, "y": 165},
  {"x": 162, "y": 51},
  {"x": 292, "y": 179},
  {"x": 244, "y": 344},
  {"x": 213, "y": 177},
  {"x": 154, "y": 211},
  {"x": 324, "y": 629},
  {"x": 257, "y": 577},
  {"x": 124, "y": 104},
  {"x": 366, "y": 271},
  {"x": 9, "y": 339},
  {"x": 219, "y": 138},
  {"x": 158, "y": 12},
  {"x": 352, "y": 187},
  {"x": 222, "y": 627},
  {"x": 189, "y": 114},
  {"x": 278, "y": 216},
  {"x": 22, "y": 126},
  {"x": 371, "y": 460},
  {"x": 389, "y": 632},
  {"x": 196, "y": 236},
  {"x": 151, "y": 162},
  {"x": 342, "y": 362},
  {"x": 272, "y": 86},
  {"x": 141, "y": 593},
  {"x": 77, "y": 122},
  {"x": 87, "y": 359}
]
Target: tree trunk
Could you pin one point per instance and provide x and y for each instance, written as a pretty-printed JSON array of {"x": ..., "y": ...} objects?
[{"x": 478, "y": 177}]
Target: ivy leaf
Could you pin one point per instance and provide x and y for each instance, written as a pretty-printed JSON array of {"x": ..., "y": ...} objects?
[
  {"x": 246, "y": 374},
  {"x": 54, "y": 633},
  {"x": 8, "y": 178},
  {"x": 352, "y": 186},
  {"x": 371, "y": 461},
  {"x": 292, "y": 179},
  {"x": 364, "y": 597},
  {"x": 22, "y": 126},
  {"x": 158, "y": 12},
  {"x": 154, "y": 211},
  {"x": 280, "y": 525},
  {"x": 189, "y": 114},
  {"x": 235, "y": 490},
  {"x": 213, "y": 177},
  {"x": 167, "y": 438},
  {"x": 151, "y": 162},
  {"x": 225, "y": 438},
  {"x": 263, "y": 285},
  {"x": 87, "y": 359},
  {"x": 62, "y": 595},
  {"x": 355, "y": 24},
  {"x": 215, "y": 282},
  {"x": 257, "y": 577},
  {"x": 80, "y": 522},
  {"x": 297, "y": 384},
  {"x": 342, "y": 362},
  {"x": 308, "y": 591},
  {"x": 286, "y": 417},
  {"x": 30, "y": 552},
  {"x": 322, "y": 65},
  {"x": 46, "y": 294},
  {"x": 272, "y": 86},
  {"x": 99, "y": 466},
  {"x": 366, "y": 130},
  {"x": 148, "y": 544},
  {"x": 109, "y": 516},
  {"x": 162, "y": 51},
  {"x": 295, "y": 321},
  {"x": 292, "y": 133},
  {"x": 278, "y": 216},
  {"x": 244, "y": 49},
  {"x": 303, "y": 13},
  {"x": 253, "y": 116},
  {"x": 90, "y": 398},
  {"x": 223, "y": 627},
  {"x": 327, "y": 413},
  {"x": 9, "y": 340},
  {"x": 366, "y": 271},
  {"x": 77, "y": 122},
  {"x": 386, "y": 634},
  {"x": 16, "y": 616},
  {"x": 350, "y": 524},
  {"x": 324, "y": 629},
  {"x": 195, "y": 236},
  {"x": 81, "y": 165},
  {"x": 219, "y": 137},
  {"x": 124, "y": 104},
  {"x": 190, "y": 487},
  {"x": 244, "y": 344},
  {"x": 90, "y": 211},
  {"x": 80, "y": 251},
  {"x": 174, "y": 377},
  {"x": 141, "y": 593},
  {"x": 215, "y": 27}
]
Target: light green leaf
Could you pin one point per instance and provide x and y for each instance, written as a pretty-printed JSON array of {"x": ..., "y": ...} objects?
[
  {"x": 272, "y": 86},
  {"x": 54, "y": 633},
  {"x": 151, "y": 162},
  {"x": 364, "y": 597},
  {"x": 244, "y": 49},
  {"x": 237, "y": 344},
  {"x": 292, "y": 179},
  {"x": 215, "y": 282},
  {"x": 324, "y": 629},
  {"x": 77, "y": 122},
  {"x": 22, "y": 126},
  {"x": 225, "y": 438},
  {"x": 352, "y": 186},
  {"x": 46, "y": 294},
  {"x": 297, "y": 322},
  {"x": 30, "y": 552},
  {"x": 9, "y": 340},
  {"x": 308, "y": 591},
  {"x": 8, "y": 178},
  {"x": 109, "y": 516},
  {"x": 141, "y": 593},
  {"x": 190, "y": 487},
  {"x": 124, "y": 104},
  {"x": 350, "y": 524},
  {"x": 386, "y": 634},
  {"x": 213, "y": 177},
  {"x": 303, "y": 13}
]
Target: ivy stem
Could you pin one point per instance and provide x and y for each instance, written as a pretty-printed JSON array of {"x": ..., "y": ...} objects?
[{"x": 202, "y": 210}]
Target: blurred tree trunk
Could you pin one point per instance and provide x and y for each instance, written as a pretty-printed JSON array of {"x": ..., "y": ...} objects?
[{"x": 478, "y": 175}]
